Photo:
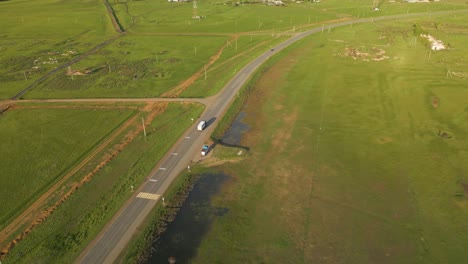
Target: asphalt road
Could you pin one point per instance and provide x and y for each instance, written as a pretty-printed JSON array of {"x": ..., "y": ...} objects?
[{"x": 115, "y": 236}]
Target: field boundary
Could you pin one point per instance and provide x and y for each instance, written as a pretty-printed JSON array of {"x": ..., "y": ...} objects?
[{"x": 114, "y": 20}]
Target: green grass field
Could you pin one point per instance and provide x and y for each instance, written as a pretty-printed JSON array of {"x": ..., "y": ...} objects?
[
  {"x": 347, "y": 151},
  {"x": 68, "y": 230},
  {"x": 38, "y": 35},
  {"x": 133, "y": 66},
  {"x": 40, "y": 145},
  {"x": 353, "y": 161},
  {"x": 227, "y": 17},
  {"x": 221, "y": 17},
  {"x": 231, "y": 61}
]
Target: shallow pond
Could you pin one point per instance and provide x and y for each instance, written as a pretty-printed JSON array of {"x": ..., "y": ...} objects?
[{"x": 183, "y": 236}]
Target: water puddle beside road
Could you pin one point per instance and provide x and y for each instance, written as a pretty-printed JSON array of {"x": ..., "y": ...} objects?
[
  {"x": 184, "y": 235},
  {"x": 234, "y": 134}
]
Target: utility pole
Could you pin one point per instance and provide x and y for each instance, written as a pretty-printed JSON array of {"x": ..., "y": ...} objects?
[
  {"x": 449, "y": 73},
  {"x": 195, "y": 10},
  {"x": 143, "y": 123}
]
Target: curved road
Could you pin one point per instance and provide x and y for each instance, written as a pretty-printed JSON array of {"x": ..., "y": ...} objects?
[{"x": 116, "y": 235}]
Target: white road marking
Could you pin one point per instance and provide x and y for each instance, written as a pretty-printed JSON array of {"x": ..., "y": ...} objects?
[
  {"x": 187, "y": 137},
  {"x": 149, "y": 196},
  {"x": 162, "y": 168},
  {"x": 175, "y": 154},
  {"x": 153, "y": 180}
]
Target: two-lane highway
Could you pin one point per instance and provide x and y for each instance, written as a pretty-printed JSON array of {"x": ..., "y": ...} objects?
[{"x": 115, "y": 236}]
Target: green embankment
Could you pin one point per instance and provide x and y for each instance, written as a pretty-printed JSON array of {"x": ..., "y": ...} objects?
[{"x": 356, "y": 157}]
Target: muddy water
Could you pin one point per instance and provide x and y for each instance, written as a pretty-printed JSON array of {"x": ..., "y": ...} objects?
[
  {"x": 183, "y": 236},
  {"x": 234, "y": 135}
]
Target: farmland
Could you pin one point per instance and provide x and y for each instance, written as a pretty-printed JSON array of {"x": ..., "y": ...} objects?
[
  {"x": 81, "y": 217},
  {"x": 54, "y": 139},
  {"x": 26, "y": 53},
  {"x": 70, "y": 166},
  {"x": 133, "y": 66},
  {"x": 359, "y": 160}
]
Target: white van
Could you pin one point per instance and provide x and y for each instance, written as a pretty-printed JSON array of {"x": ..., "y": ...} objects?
[{"x": 201, "y": 125}]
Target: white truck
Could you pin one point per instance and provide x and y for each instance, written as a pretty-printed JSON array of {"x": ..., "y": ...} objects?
[{"x": 201, "y": 125}]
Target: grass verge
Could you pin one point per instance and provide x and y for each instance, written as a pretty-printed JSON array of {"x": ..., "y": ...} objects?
[{"x": 64, "y": 234}]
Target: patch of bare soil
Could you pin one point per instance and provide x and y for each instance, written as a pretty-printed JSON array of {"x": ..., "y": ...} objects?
[
  {"x": 384, "y": 140},
  {"x": 363, "y": 54},
  {"x": 242, "y": 53},
  {"x": 33, "y": 216},
  {"x": 435, "y": 101},
  {"x": 465, "y": 187},
  {"x": 73, "y": 107},
  {"x": 282, "y": 136},
  {"x": 261, "y": 94},
  {"x": 462, "y": 75}
]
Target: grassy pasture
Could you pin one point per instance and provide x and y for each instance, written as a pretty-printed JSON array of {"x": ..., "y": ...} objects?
[
  {"x": 230, "y": 62},
  {"x": 40, "y": 145},
  {"x": 222, "y": 16},
  {"x": 133, "y": 66},
  {"x": 38, "y": 35},
  {"x": 68, "y": 230},
  {"x": 53, "y": 19},
  {"x": 161, "y": 16},
  {"x": 350, "y": 163},
  {"x": 363, "y": 8}
]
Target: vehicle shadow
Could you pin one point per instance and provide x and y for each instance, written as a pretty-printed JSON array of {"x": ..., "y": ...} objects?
[{"x": 210, "y": 122}]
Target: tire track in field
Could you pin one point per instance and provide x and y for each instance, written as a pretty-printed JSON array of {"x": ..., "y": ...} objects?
[
  {"x": 65, "y": 65},
  {"x": 176, "y": 91},
  {"x": 32, "y": 217},
  {"x": 118, "y": 28},
  {"x": 240, "y": 54}
]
